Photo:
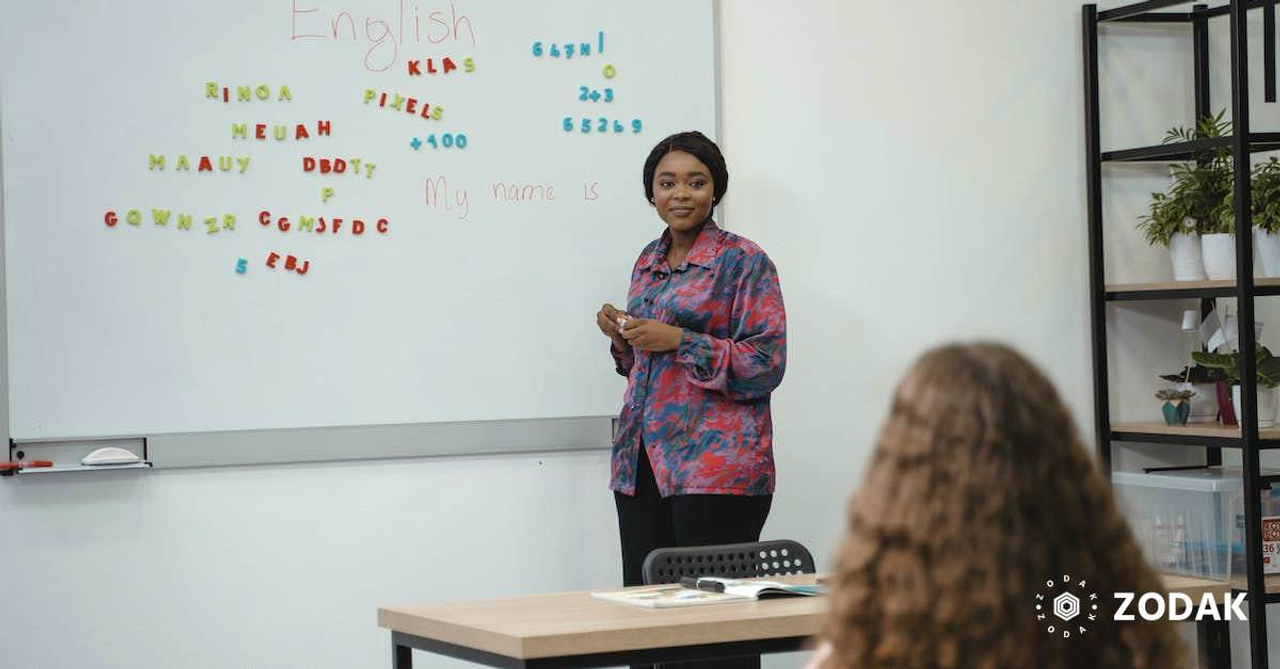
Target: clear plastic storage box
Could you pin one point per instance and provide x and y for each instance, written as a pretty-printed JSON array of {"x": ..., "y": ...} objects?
[{"x": 1190, "y": 521}]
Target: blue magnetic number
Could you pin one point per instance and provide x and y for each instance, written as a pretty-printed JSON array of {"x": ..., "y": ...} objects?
[
  {"x": 608, "y": 95},
  {"x": 242, "y": 266},
  {"x": 582, "y": 93},
  {"x": 460, "y": 141},
  {"x": 586, "y": 125}
]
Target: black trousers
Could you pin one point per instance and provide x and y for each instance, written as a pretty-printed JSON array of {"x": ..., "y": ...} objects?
[{"x": 647, "y": 521}]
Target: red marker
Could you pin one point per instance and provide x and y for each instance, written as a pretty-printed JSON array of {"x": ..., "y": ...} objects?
[{"x": 24, "y": 464}]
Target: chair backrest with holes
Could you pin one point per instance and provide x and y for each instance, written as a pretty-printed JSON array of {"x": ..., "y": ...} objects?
[{"x": 749, "y": 560}]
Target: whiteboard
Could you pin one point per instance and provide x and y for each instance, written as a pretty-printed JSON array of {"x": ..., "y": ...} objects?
[{"x": 475, "y": 300}]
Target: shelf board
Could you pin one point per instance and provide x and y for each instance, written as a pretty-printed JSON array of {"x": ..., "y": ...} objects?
[
  {"x": 1178, "y": 290},
  {"x": 1179, "y": 151},
  {"x": 1204, "y": 434}
]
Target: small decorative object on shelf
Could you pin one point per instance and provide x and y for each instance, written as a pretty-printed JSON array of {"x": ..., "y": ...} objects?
[
  {"x": 1203, "y": 382},
  {"x": 1268, "y": 377},
  {"x": 1175, "y": 405}
]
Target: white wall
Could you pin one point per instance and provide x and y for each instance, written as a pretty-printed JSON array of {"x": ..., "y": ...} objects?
[{"x": 917, "y": 175}]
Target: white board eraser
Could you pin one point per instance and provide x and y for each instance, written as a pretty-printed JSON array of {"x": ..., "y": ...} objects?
[{"x": 110, "y": 455}]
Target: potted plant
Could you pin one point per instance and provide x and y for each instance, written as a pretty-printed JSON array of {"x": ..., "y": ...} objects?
[
  {"x": 1268, "y": 375},
  {"x": 1203, "y": 186},
  {"x": 1167, "y": 224},
  {"x": 1175, "y": 405},
  {"x": 1203, "y": 381},
  {"x": 1265, "y": 202}
]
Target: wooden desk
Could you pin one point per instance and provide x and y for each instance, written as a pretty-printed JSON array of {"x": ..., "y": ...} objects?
[{"x": 575, "y": 629}]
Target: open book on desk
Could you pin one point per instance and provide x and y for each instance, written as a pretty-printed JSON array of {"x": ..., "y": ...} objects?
[{"x": 707, "y": 590}]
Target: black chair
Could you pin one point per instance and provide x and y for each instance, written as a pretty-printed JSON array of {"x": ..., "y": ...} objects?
[{"x": 749, "y": 560}]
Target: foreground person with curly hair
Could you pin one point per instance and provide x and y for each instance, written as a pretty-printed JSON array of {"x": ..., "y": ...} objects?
[{"x": 978, "y": 491}]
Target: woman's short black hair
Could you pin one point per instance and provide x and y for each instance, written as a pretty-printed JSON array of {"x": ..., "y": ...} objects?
[{"x": 697, "y": 145}]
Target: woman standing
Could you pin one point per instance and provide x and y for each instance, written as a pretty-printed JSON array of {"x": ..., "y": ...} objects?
[{"x": 703, "y": 344}]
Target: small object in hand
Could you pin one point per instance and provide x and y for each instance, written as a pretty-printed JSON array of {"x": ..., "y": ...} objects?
[{"x": 622, "y": 320}]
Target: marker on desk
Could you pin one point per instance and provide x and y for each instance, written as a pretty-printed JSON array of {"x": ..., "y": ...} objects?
[
  {"x": 701, "y": 584},
  {"x": 12, "y": 466}
]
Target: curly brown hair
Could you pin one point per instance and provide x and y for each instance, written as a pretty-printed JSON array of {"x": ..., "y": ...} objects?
[{"x": 979, "y": 492}]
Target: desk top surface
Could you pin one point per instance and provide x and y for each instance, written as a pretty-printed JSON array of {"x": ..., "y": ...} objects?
[{"x": 575, "y": 623}]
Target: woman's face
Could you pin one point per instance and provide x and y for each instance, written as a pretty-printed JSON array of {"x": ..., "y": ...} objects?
[{"x": 682, "y": 191}]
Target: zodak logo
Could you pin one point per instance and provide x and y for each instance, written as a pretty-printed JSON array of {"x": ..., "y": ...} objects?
[
  {"x": 1152, "y": 606},
  {"x": 1066, "y": 606},
  {"x": 1061, "y": 606}
]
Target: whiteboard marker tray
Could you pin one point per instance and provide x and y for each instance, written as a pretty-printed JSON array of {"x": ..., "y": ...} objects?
[{"x": 83, "y": 468}]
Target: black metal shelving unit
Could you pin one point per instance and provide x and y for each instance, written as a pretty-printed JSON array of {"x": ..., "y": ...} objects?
[{"x": 1214, "y": 644}]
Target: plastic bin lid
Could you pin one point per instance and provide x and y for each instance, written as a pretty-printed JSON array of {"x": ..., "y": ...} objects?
[{"x": 1210, "y": 479}]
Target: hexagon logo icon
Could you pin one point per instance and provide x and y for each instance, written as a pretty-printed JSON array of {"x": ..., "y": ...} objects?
[{"x": 1066, "y": 606}]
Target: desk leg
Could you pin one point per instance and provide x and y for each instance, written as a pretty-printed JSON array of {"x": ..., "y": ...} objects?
[
  {"x": 1213, "y": 638},
  {"x": 401, "y": 656}
]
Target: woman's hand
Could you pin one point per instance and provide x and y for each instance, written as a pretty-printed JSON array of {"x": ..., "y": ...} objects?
[
  {"x": 607, "y": 319},
  {"x": 651, "y": 335}
]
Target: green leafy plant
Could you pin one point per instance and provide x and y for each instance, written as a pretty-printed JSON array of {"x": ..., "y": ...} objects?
[
  {"x": 1196, "y": 374},
  {"x": 1268, "y": 366},
  {"x": 1168, "y": 217},
  {"x": 1202, "y": 186},
  {"x": 1266, "y": 196},
  {"x": 1172, "y": 394}
]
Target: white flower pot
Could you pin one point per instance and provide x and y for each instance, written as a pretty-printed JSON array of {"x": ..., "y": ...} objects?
[
  {"x": 1204, "y": 405},
  {"x": 1268, "y": 244},
  {"x": 1187, "y": 263},
  {"x": 1219, "y": 250},
  {"x": 1266, "y": 405}
]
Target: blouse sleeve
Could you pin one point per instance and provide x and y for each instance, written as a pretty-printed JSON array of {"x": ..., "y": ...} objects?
[{"x": 750, "y": 363}]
